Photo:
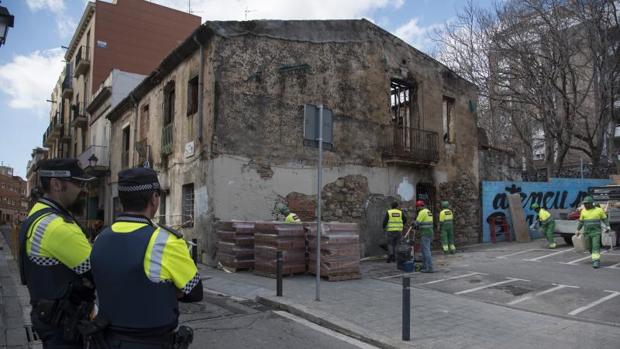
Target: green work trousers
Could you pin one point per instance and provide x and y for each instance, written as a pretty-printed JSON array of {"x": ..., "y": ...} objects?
[
  {"x": 447, "y": 237},
  {"x": 593, "y": 236},
  {"x": 548, "y": 229}
]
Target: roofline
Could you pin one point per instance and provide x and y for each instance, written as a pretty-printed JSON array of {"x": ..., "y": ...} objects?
[{"x": 79, "y": 30}]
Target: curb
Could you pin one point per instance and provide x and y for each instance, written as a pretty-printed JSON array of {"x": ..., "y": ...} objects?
[{"x": 331, "y": 322}]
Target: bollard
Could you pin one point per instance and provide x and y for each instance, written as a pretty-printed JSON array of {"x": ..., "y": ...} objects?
[
  {"x": 195, "y": 251},
  {"x": 406, "y": 308},
  {"x": 279, "y": 273}
]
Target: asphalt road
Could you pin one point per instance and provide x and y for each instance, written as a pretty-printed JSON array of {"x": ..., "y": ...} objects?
[
  {"x": 526, "y": 276},
  {"x": 221, "y": 322}
]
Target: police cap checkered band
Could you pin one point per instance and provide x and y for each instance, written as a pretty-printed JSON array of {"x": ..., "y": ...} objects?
[
  {"x": 138, "y": 179},
  {"x": 62, "y": 168}
]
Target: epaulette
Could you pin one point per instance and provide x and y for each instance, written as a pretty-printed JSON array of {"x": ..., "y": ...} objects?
[{"x": 171, "y": 231}]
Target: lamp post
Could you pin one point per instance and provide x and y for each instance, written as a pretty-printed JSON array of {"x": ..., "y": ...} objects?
[{"x": 6, "y": 21}]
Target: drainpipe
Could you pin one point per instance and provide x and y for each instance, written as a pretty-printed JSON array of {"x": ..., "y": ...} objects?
[
  {"x": 200, "y": 87},
  {"x": 134, "y": 102}
]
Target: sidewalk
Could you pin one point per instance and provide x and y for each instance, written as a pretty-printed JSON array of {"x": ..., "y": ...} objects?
[
  {"x": 14, "y": 301},
  {"x": 370, "y": 310}
]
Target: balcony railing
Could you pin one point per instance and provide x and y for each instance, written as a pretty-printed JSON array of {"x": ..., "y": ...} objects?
[
  {"x": 406, "y": 145},
  {"x": 82, "y": 61},
  {"x": 95, "y": 159},
  {"x": 67, "y": 82},
  {"x": 78, "y": 115},
  {"x": 166, "y": 139},
  {"x": 54, "y": 128}
]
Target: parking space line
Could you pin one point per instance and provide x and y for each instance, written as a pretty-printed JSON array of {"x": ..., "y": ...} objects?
[
  {"x": 615, "y": 266},
  {"x": 453, "y": 278},
  {"x": 391, "y": 276},
  {"x": 547, "y": 255},
  {"x": 524, "y": 298},
  {"x": 490, "y": 285},
  {"x": 580, "y": 259},
  {"x": 517, "y": 253},
  {"x": 595, "y": 303}
]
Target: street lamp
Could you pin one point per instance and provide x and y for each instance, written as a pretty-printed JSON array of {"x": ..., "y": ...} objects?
[
  {"x": 6, "y": 21},
  {"x": 92, "y": 160}
]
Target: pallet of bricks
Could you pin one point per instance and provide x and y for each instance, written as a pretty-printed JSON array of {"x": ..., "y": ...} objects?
[
  {"x": 340, "y": 251},
  {"x": 271, "y": 237},
  {"x": 235, "y": 248}
]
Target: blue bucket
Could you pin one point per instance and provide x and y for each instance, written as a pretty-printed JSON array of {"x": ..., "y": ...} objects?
[{"x": 408, "y": 267}]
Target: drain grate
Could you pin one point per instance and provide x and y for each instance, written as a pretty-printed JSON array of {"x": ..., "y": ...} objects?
[{"x": 31, "y": 335}]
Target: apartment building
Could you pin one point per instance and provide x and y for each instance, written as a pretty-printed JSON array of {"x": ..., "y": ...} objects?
[
  {"x": 130, "y": 36},
  {"x": 13, "y": 198},
  {"x": 222, "y": 121}
]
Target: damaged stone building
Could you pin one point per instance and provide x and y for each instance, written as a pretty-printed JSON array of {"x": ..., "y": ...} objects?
[{"x": 221, "y": 119}]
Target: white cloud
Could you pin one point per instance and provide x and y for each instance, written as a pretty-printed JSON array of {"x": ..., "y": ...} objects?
[
  {"x": 416, "y": 35},
  {"x": 65, "y": 24},
  {"x": 29, "y": 79},
  {"x": 280, "y": 9}
]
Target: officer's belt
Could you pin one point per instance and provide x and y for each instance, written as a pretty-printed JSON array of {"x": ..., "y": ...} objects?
[{"x": 141, "y": 337}]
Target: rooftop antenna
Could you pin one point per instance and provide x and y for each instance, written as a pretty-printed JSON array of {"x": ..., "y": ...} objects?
[{"x": 247, "y": 11}]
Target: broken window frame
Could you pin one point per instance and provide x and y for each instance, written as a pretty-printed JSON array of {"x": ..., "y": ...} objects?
[
  {"x": 126, "y": 141},
  {"x": 448, "y": 119},
  {"x": 169, "y": 99}
]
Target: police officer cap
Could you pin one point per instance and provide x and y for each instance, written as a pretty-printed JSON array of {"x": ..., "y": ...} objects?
[
  {"x": 139, "y": 179},
  {"x": 63, "y": 168}
]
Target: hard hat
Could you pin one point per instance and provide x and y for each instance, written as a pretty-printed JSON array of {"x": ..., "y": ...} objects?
[
  {"x": 445, "y": 204},
  {"x": 419, "y": 203},
  {"x": 535, "y": 206},
  {"x": 588, "y": 200}
]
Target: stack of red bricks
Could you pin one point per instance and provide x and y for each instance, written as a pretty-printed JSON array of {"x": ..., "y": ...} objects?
[
  {"x": 340, "y": 251},
  {"x": 271, "y": 237},
  {"x": 235, "y": 248}
]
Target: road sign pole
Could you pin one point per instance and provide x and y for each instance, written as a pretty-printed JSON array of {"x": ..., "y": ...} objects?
[{"x": 318, "y": 206}]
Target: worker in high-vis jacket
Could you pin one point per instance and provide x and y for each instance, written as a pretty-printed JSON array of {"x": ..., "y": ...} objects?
[
  {"x": 55, "y": 257},
  {"x": 289, "y": 217},
  {"x": 546, "y": 223},
  {"x": 424, "y": 224},
  {"x": 142, "y": 271},
  {"x": 393, "y": 224},
  {"x": 590, "y": 219},
  {"x": 446, "y": 228}
]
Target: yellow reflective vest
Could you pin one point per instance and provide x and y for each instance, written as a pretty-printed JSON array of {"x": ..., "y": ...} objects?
[
  {"x": 592, "y": 218},
  {"x": 544, "y": 216},
  {"x": 395, "y": 220},
  {"x": 446, "y": 217},
  {"x": 292, "y": 219}
]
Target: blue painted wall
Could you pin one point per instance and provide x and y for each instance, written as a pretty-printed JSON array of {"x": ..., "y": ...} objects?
[{"x": 558, "y": 193}]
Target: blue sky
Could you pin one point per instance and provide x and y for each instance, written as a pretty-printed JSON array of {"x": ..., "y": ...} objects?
[{"x": 31, "y": 59}]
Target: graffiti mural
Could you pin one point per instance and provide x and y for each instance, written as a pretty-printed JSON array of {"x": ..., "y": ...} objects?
[{"x": 558, "y": 193}]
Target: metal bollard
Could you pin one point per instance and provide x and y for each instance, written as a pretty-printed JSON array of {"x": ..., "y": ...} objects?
[
  {"x": 195, "y": 251},
  {"x": 279, "y": 273},
  {"x": 406, "y": 308}
]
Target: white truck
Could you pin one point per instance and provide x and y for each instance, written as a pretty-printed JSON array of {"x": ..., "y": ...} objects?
[{"x": 608, "y": 197}]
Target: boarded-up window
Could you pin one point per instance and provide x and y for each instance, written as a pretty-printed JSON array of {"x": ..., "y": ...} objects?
[
  {"x": 188, "y": 205},
  {"x": 449, "y": 131},
  {"x": 192, "y": 96},
  {"x": 125, "y": 152}
]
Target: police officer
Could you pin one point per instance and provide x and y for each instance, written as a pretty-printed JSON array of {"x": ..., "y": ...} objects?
[
  {"x": 547, "y": 224},
  {"x": 393, "y": 224},
  {"x": 142, "y": 271},
  {"x": 590, "y": 219},
  {"x": 55, "y": 257},
  {"x": 290, "y": 217},
  {"x": 424, "y": 223},
  {"x": 446, "y": 227}
]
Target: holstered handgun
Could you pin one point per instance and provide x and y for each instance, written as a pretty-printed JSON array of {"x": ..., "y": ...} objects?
[{"x": 183, "y": 337}]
